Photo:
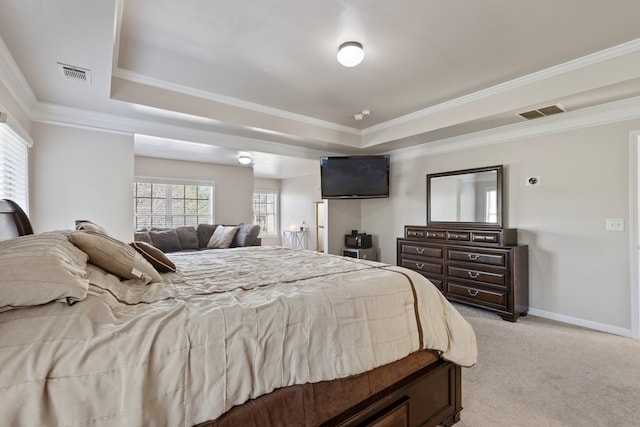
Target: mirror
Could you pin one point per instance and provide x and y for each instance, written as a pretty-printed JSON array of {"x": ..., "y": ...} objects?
[{"x": 465, "y": 198}]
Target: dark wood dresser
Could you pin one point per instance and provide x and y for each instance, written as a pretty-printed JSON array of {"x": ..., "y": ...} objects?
[{"x": 483, "y": 268}]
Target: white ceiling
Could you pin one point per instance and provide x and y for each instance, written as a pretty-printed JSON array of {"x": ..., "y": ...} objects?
[{"x": 261, "y": 76}]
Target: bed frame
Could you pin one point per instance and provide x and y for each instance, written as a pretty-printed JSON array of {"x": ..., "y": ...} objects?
[{"x": 429, "y": 396}]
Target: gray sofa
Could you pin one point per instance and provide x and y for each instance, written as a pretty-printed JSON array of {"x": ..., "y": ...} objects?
[{"x": 189, "y": 238}]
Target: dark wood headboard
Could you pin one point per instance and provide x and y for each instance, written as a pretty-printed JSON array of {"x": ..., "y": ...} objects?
[{"x": 13, "y": 221}]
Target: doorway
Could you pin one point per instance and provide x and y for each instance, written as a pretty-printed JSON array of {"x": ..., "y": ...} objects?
[{"x": 634, "y": 215}]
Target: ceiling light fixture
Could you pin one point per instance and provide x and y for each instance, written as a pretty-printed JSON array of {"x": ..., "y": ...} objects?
[
  {"x": 244, "y": 158},
  {"x": 350, "y": 54},
  {"x": 361, "y": 115}
]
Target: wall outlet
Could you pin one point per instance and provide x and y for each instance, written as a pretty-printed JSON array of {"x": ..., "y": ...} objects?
[
  {"x": 614, "y": 224},
  {"x": 533, "y": 180}
]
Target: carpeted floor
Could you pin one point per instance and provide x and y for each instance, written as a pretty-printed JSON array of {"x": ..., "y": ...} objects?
[{"x": 538, "y": 372}]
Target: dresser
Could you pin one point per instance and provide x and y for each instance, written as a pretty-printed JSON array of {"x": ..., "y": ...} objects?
[{"x": 480, "y": 267}]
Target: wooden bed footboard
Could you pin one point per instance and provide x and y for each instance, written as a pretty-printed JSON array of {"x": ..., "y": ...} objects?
[{"x": 430, "y": 397}]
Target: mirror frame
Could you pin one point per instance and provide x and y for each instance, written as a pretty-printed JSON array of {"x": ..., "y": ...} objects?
[{"x": 460, "y": 224}]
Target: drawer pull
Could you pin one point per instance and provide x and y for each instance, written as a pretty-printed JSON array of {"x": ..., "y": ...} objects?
[
  {"x": 420, "y": 250},
  {"x": 474, "y": 257},
  {"x": 473, "y": 275},
  {"x": 420, "y": 266},
  {"x": 473, "y": 292}
]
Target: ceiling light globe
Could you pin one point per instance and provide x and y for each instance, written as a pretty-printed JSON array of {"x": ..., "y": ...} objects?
[
  {"x": 244, "y": 158},
  {"x": 350, "y": 54}
]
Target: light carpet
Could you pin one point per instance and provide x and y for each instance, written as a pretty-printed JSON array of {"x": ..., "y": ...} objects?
[{"x": 538, "y": 372}]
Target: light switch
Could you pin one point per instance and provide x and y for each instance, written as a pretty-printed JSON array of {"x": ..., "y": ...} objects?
[{"x": 615, "y": 224}]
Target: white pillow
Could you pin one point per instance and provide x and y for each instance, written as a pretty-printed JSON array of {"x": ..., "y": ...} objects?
[
  {"x": 222, "y": 237},
  {"x": 115, "y": 256},
  {"x": 41, "y": 268}
]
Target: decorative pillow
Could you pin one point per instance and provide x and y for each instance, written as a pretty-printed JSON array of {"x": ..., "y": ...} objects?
[
  {"x": 86, "y": 225},
  {"x": 165, "y": 240},
  {"x": 188, "y": 237},
  {"x": 246, "y": 235},
  {"x": 41, "y": 268},
  {"x": 115, "y": 256},
  {"x": 222, "y": 237},
  {"x": 142, "y": 236},
  {"x": 205, "y": 231},
  {"x": 155, "y": 256}
]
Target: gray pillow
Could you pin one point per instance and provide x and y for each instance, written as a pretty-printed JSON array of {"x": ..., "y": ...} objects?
[
  {"x": 205, "y": 231},
  {"x": 246, "y": 236},
  {"x": 142, "y": 236},
  {"x": 188, "y": 237},
  {"x": 166, "y": 240}
]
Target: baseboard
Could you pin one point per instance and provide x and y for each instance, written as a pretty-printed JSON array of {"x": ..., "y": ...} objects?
[{"x": 616, "y": 330}]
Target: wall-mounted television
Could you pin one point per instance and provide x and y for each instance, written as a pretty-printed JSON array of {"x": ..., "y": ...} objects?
[{"x": 354, "y": 177}]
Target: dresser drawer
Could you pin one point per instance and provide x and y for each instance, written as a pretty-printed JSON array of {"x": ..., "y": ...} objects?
[
  {"x": 494, "y": 277},
  {"x": 423, "y": 251},
  {"x": 421, "y": 266},
  {"x": 461, "y": 236},
  {"x": 435, "y": 234},
  {"x": 497, "y": 298},
  {"x": 415, "y": 233},
  {"x": 485, "y": 237},
  {"x": 498, "y": 259}
]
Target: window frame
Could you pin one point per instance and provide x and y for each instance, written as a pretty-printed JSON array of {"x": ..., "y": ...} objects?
[
  {"x": 170, "y": 182},
  {"x": 276, "y": 209},
  {"x": 14, "y": 146}
]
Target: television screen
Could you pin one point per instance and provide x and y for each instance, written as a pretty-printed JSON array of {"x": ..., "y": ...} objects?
[{"x": 354, "y": 177}]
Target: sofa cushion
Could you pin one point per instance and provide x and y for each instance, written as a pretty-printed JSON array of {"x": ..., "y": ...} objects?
[
  {"x": 142, "y": 236},
  {"x": 188, "y": 237},
  {"x": 165, "y": 240},
  {"x": 222, "y": 237},
  {"x": 246, "y": 236},
  {"x": 204, "y": 232}
]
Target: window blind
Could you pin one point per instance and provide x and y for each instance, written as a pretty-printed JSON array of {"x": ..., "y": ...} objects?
[{"x": 13, "y": 165}]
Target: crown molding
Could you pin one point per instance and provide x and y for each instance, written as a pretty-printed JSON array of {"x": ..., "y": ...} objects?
[
  {"x": 234, "y": 102},
  {"x": 619, "y": 111},
  {"x": 14, "y": 80},
  {"x": 632, "y": 46}
]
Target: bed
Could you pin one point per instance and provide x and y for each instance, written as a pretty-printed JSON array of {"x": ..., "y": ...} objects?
[{"x": 244, "y": 336}]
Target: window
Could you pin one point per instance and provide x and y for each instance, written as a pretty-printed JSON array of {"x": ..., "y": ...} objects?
[
  {"x": 13, "y": 165},
  {"x": 492, "y": 205},
  {"x": 166, "y": 204},
  {"x": 265, "y": 212}
]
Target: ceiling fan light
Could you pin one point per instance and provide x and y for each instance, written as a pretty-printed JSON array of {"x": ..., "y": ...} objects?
[
  {"x": 244, "y": 158},
  {"x": 350, "y": 54}
]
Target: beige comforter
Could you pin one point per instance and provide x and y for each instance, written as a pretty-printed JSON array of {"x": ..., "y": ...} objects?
[{"x": 229, "y": 326}]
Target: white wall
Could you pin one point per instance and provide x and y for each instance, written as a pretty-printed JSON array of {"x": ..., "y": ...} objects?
[
  {"x": 297, "y": 197},
  {"x": 577, "y": 269},
  {"x": 81, "y": 174},
  {"x": 233, "y": 184},
  {"x": 343, "y": 215}
]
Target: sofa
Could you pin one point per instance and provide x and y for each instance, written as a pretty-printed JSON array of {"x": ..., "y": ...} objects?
[{"x": 202, "y": 236}]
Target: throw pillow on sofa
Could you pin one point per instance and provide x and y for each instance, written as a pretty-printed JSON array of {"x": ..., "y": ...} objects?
[
  {"x": 222, "y": 237},
  {"x": 204, "y": 232},
  {"x": 246, "y": 236}
]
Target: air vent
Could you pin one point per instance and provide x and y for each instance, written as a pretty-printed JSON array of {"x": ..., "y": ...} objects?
[
  {"x": 75, "y": 73},
  {"x": 542, "y": 112}
]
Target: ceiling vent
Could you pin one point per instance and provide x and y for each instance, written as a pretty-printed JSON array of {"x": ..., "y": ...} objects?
[
  {"x": 542, "y": 112},
  {"x": 75, "y": 73}
]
